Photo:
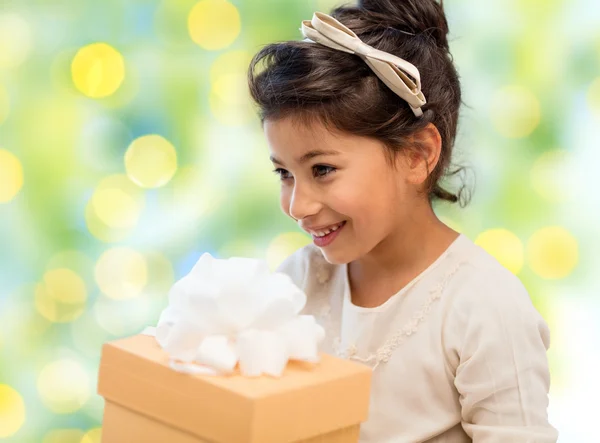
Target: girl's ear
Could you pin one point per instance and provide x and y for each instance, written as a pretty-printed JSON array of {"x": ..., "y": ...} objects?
[{"x": 424, "y": 154}]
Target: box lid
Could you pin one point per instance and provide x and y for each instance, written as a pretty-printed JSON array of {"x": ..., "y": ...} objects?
[{"x": 308, "y": 400}]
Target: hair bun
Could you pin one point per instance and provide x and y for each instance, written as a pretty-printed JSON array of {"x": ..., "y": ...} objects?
[{"x": 414, "y": 16}]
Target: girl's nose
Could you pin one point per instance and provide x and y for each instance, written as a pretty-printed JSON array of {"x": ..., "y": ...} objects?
[{"x": 303, "y": 203}]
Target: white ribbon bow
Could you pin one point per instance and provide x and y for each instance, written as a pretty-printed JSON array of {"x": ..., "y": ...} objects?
[
  {"x": 392, "y": 70},
  {"x": 226, "y": 312}
]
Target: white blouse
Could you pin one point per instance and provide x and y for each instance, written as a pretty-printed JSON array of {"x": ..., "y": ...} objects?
[{"x": 458, "y": 355}]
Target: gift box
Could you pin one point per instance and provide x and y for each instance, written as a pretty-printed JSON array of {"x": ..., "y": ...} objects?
[{"x": 146, "y": 401}]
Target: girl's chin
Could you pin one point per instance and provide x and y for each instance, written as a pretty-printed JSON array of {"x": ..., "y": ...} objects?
[{"x": 336, "y": 258}]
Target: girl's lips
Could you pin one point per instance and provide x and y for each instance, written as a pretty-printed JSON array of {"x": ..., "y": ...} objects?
[{"x": 327, "y": 239}]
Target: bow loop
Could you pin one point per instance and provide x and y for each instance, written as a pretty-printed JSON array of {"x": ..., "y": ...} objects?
[{"x": 399, "y": 75}]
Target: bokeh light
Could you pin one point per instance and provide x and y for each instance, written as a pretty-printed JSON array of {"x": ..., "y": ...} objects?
[
  {"x": 550, "y": 176},
  {"x": 284, "y": 245},
  {"x": 11, "y": 176},
  {"x": 12, "y": 411},
  {"x": 505, "y": 246},
  {"x": 114, "y": 208},
  {"x": 64, "y": 386},
  {"x": 61, "y": 296},
  {"x": 552, "y": 252},
  {"x": 98, "y": 70},
  {"x": 75, "y": 260},
  {"x": 63, "y": 436},
  {"x": 92, "y": 436},
  {"x": 515, "y": 111},
  {"x": 214, "y": 24},
  {"x": 16, "y": 40},
  {"x": 121, "y": 273},
  {"x": 229, "y": 98},
  {"x": 151, "y": 161}
]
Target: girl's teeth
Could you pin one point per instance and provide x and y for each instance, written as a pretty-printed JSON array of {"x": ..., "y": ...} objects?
[{"x": 323, "y": 233}]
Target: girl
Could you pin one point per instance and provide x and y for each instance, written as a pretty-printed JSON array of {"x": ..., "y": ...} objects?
[{"x": 360, "y": 118}]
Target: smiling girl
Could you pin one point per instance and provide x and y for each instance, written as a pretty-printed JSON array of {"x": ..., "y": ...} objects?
[{"x": 361, "y": 118}]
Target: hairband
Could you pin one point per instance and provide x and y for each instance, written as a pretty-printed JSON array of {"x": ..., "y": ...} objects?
[{"x": 392, "y": 70}]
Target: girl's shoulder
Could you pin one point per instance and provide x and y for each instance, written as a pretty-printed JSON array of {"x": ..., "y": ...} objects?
[
  {"x": 481, "y": 270},
  {"x": 481, "y": 284}
]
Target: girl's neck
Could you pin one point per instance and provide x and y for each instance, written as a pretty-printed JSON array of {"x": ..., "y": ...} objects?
[{"x": 399, "y": 258}]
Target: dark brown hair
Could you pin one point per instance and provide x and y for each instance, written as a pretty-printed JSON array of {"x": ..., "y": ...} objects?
[{"x": 312, "y": 82}]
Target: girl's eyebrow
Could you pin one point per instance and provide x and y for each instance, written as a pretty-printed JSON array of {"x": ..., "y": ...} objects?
[{"x": 306, "y": 157}]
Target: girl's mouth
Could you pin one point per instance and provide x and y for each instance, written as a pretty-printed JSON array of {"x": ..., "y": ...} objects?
[{"x": 328, "y": 236}]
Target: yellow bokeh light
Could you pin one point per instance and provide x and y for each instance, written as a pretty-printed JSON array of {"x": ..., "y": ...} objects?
[
  {"x": 214, "y": 24},
  {"x": 11, "y": 176},
  {"x": 505, "y": 246},
  {"x": 115, "y": 208},
  {"x": 231, "y": 62},
  {"x": 98, "y": 70},
  {"x": 63, "y": 436},
  {"x": 12, "y": 411},
  {"x": 15, "y": 41},
  {"x": 92, "y": 436},
  {"x": 515, "y": 111},
  {"x": 548, "y": 175},
  {"x": 230, "y": 89},
  {"x": 100, "y": 230},
  {"x": 593, "y": 96},
  {"x": 4, "y": 104},
  {"x": 229, "y": 98},
  {"x": 151, "y": 161},
  {"x": 121, "y": 273},
  {"x": 76, "y": 261},
  {"x": 552, "y": 252},
  {"x": 64, "y": 386},
  {"x": 284, "y": 245},
  {"x": 61, "y": 296}
]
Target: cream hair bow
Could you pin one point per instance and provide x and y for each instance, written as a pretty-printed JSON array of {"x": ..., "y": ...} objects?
[{"x": 392, "y": 70}]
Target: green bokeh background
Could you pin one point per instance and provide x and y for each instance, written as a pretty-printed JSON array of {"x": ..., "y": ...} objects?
[{"x": 530, "y": 72}]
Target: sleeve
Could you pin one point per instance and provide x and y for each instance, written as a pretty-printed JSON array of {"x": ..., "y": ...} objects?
[{"x": 499, "y": 342}]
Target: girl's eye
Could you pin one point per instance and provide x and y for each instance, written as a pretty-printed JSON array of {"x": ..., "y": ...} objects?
[
  {"x": 283, "y": 174},
  {"x": 322, "y": 170}
]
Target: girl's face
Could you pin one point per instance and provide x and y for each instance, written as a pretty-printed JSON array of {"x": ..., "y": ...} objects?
[{"x": 342, "y": 182}]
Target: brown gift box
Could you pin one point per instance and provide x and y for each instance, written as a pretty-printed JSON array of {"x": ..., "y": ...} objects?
[{"x": 148, "y": 402}]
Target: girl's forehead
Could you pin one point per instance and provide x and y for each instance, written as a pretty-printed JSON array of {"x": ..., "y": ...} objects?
[
  {"x": 291, "y": 130},
  {"x": 286, "y": 137}
]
